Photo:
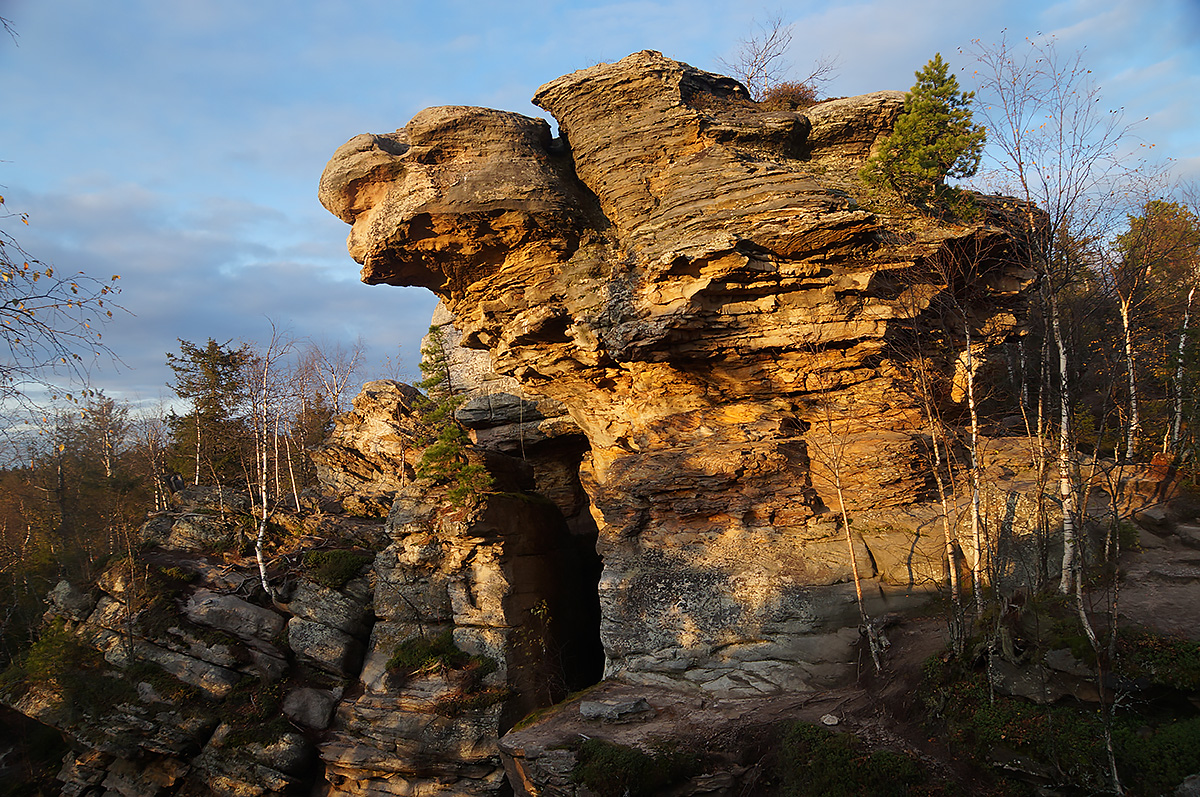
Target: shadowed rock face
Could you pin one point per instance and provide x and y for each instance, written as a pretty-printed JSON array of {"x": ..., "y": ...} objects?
[{"x": 698, "y": 282}]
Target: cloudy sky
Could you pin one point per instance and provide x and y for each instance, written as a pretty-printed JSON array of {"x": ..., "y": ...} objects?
[{"x": 178, "y": 143}]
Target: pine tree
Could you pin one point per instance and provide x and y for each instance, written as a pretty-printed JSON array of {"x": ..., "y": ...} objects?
[
  {"x": 934, "y": 138},
  {"x": 445, "y": 457},
  {"x": 211, "y": 440}
]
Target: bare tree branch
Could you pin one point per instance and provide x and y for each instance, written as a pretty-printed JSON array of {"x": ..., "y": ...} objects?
[{"x": 759, "y": 62}]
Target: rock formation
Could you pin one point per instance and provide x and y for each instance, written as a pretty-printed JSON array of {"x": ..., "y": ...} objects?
[
  {"x": 391, "y": 657},
  {"x": 726, "y": 315}
]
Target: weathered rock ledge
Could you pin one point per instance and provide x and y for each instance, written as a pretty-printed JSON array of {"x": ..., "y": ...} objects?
[{"x": 721, "y": 309}]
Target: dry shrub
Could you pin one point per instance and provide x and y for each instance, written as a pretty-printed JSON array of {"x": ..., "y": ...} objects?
[{"x": 789, "y": 95}]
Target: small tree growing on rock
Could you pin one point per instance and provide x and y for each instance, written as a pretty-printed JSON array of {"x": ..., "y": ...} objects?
[
  {"x": 445, "y": 457},
  {"x": 934, "y": 138}
]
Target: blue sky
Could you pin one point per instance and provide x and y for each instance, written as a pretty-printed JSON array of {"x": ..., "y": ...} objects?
[{"x": 178, "y": 143}]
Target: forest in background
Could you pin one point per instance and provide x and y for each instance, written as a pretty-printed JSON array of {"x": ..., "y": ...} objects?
[{"x": 75, "y": 492}]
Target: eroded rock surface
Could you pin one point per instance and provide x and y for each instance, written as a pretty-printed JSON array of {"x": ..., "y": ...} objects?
[
  {"x": 709, "y": 293},
  {"x": 181, "y": 675}
]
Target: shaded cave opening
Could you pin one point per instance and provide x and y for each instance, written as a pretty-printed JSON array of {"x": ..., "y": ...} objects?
[{"x": 574, "y": 612}]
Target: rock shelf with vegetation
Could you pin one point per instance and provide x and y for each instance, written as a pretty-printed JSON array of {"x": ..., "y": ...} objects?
[{"x": 716, "y": 387}]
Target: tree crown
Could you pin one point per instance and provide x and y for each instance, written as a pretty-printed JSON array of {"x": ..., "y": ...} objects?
[{"x": 933, "y": 139}]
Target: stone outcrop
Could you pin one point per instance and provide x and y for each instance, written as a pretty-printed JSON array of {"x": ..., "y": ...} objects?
[
  {"x": 392, "y": 668},
  {"x": 728, "y": 317}
]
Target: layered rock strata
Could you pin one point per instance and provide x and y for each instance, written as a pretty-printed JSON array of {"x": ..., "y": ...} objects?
[{"x": 726, "y": 315}]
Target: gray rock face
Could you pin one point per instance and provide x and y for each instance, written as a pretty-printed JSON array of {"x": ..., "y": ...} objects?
[
  {"x": 68, "y": 601},
  {"x": 311, "y": 601},
  {"x": 332, "y": 650},
  {"x": 312, "y": 708},
  {"x": 615, "y": 710},
  {"x": 231, "y": 614}
]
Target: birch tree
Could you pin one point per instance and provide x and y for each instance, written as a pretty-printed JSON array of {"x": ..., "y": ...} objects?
[
  {"x": 1059, "y": 152},
  {"x": 267, "y": 404},
  {"x": 1149, "y": 265}
]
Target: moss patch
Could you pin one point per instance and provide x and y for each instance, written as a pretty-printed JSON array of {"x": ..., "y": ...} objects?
[
  {"x": 254, "y": 712},
  {"x": 60, "y": 664},
  {"x": 613, "y": 770},
  {"x": 439, "y": 655},
  {"x": 814, "y": 761},
  {"x": 333, "y": 569}
]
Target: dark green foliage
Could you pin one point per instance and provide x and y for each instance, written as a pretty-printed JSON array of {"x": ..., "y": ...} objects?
[
  {"x": 1158, "y": 761},
  {"x": 933, "y": 139},
  {"x": 1156, "y": 746},
  {"x": 334, "y": 569},
  {"x": 1162, "y": 660},
  {"x": 817, "y": 762},
  {"x": 1068, "y": 739},
  {"x": 445, "y": 458},
  {"x": 210, "y": 442},
  {"x": 614, "y": 770}
]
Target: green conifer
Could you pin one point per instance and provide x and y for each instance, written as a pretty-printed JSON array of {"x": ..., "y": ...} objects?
[
  {"x": 445, "y": 456},
  {"x": 934, "y": 138}
]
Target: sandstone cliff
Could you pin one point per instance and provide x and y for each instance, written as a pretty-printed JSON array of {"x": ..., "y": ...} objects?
[{"x": 721, "y": 310}]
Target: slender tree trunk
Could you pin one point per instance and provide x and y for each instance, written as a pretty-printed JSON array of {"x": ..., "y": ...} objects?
[
  {"x": 976, "y": 525},
  {"x": 275, "y": 442},
  {"x": 872, "y": 640},
  {"x": 287, "y": 446},
  {"x": 1070, "y": 558},
  {"x": 1135, "y": 424},
  {"x": 1177, "y": 424},
  {"x": 197, "y": 482},
  {"x": 1023, "y": 367},
  {"x": 956, "y": 630}
]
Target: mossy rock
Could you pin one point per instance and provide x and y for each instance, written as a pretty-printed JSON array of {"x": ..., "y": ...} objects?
[
  {"x": 613, "y": 770},
  {"x": 335, "y": 568}
]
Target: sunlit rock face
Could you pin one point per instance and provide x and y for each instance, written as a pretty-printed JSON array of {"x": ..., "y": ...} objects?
[{"x": 725, "y": 313}]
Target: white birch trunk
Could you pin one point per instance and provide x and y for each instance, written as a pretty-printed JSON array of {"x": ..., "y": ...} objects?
[
  {"x": 1135, "y": 424},
  {"x": 1070, "y": 559},
  {"x": 1177, "y": 424}
]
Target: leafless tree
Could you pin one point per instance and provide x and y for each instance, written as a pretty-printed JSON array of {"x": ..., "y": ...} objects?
[
  {"x": 267, "y": 407},
  {"x": 1061, "y": 155},
  {"x": 832, "y": 421},
  {"x": 1192, "y": 200},
  {"x": 760, "y": 62},
  {"x": 336, "y": 367}
]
